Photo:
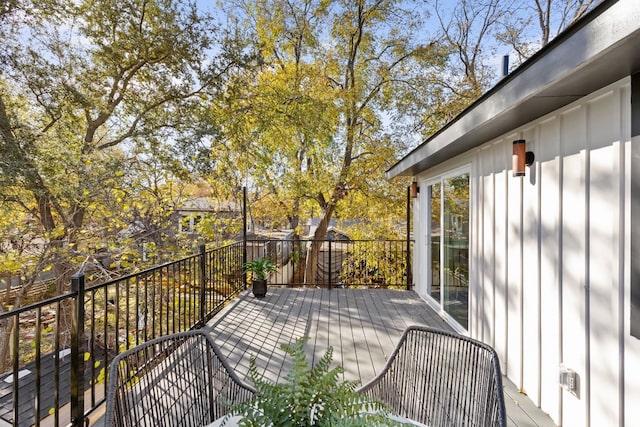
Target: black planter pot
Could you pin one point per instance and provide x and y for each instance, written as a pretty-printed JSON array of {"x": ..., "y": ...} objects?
[{"x": 259, "y": 288}]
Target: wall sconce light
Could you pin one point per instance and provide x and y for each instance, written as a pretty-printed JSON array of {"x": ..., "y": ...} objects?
[
  {"x": 521, "y": 157},
  {"x": 415, "y": 190}
]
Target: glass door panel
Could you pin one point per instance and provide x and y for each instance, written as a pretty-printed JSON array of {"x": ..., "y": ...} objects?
[
  {"x": 455, "y": 249},
  {"x": 434, "y": 237}
]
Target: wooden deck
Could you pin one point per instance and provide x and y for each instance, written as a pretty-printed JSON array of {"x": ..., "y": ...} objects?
[{"x": 362, "y": 326}]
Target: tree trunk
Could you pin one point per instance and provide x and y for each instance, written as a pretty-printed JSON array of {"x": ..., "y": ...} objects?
[
  {"x": 6, "y": 327},
  {"x": 5, "y": 342},
  {"x": 7, "y": 291},
  {"x": 318, "y": 238}
]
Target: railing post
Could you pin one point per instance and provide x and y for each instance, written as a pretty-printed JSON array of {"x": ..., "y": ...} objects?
[
  {"x": 244, "y": 235},
  {"x": 203, "y": 281},
  {"x": 409, "y": 270},
  {"x": 330, "y": 272},
  {"x": 77, "y": 352}
]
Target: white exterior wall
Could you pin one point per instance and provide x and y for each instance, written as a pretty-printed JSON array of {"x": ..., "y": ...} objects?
[{"x": 549, "y": 258}]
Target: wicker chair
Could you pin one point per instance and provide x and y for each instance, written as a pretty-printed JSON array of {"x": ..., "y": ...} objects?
[
  {"x": 175, "y": 380},
  {"x": 441, "y": 379}
]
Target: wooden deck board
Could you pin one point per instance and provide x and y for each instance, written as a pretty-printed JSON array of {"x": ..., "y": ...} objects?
[
  {"x": 521, "y": 411},
  {"x": 363, "y": 326}
]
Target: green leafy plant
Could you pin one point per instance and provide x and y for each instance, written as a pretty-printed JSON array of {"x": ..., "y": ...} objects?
[
  {"x": 310, "y": 396},
  {"x": 260, "y": 267}
]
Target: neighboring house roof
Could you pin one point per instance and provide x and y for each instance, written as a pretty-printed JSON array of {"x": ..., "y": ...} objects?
[
  {"x": 333, "y": 232},
  {"x": 264, "y": 234},
  {"x": 597, "y": 50},
  {"x": 27, "y": 387},
  {"x": 133, "y": 229},
  {"x": 205, "y": 204},
  {"x": 337, "y": 235},
  {"x": 314, "y": 222}
]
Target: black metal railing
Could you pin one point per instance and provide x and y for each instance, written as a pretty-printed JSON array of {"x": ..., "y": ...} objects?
[
  {"x": 59, "y": 349},
  {"x": 339, "y": 263}
]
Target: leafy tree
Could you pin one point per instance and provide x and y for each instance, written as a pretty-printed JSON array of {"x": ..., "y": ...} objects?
[
  {"x": 279, "y": 120},
  {"x": 87, "y": 89},
  {"x": 312, "y": 126}
]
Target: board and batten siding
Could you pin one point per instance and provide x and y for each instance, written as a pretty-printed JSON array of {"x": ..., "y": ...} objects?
[{"x": 549, "y": 258}]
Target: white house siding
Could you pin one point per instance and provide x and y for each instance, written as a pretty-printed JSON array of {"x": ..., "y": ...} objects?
[
  {"x": 549, "y": 273},
  {"x": 631, "y": 345}
]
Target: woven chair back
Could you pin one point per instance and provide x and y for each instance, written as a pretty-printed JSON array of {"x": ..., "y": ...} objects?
[
  {"x": 175, "y": 380},
  {"x": 441, "y": 379}
]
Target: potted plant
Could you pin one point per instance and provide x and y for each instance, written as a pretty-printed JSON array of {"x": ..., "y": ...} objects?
[
  {"x": 309, "y": 396},
  {"x": 259, "y": 268}
]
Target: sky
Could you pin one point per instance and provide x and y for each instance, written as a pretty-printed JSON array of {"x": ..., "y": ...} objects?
[{"x": 495, "y": 60}]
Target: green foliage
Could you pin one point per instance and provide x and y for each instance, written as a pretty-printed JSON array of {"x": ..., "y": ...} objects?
[
  {"x": 215, "y": 228},
  {"x": 310, "y": 396},
  {"x": 260, "y": 267},
  {"x": 93, "y": 96}
]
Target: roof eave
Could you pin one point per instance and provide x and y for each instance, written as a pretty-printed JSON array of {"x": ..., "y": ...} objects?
[{"x": 599, "y": 50}]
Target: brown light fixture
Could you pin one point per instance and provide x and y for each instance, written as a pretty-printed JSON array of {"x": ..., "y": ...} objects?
[
  {"x": 414, "y": 189},
  {"x": 521, "y": 157}
]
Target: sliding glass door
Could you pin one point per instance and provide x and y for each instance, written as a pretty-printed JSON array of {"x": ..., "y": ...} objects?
[{"x": 449, "y": 243}]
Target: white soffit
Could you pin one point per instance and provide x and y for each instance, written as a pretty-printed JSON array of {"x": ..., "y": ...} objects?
[{"x": 598, "y": 50}]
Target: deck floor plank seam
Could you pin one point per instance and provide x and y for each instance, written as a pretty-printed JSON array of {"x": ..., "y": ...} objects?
[
  {"x": 323, "y": 325},
  {"x": 335, "y": 326},
  {"x": 302, "y": 302},
  {"x": 369, "y": 337},
  {"x": 274, "y": 320},
  {"x": 382, "y": 335},
  {"x": 358, "y": 340}
]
